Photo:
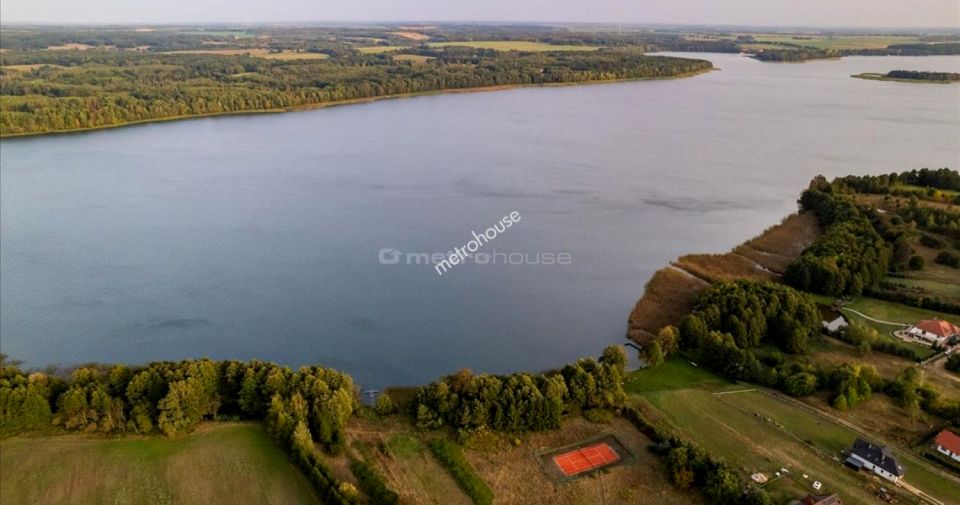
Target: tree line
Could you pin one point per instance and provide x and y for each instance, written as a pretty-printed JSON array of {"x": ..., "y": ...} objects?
[
  {"x": 522, "y": 402},
  {"x": 916, "y": 75},
  {"x": 90, "y": 89}
]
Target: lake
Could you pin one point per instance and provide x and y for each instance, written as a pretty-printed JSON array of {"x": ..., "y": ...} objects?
[{"x": 262, "y": 236}]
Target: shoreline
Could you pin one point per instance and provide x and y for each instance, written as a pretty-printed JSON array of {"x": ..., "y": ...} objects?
[{"x": 354, "y": 101}]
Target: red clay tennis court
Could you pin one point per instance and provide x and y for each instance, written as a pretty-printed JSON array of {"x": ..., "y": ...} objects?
[{"x": 585, "y": 458}]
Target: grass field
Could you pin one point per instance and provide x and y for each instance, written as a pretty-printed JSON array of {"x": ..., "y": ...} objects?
[
  {"x": 840, "y": 42},
  {"x": 224, "y": 463},
  {"x": 508, "y": 464},
  {"x": 676, "y": 373},
  {"x": 751, "y": 444},
  {"x": 379, "y": 49},
  {"x": 416, "y": 58},
  {"x": 830, "y": 438},
  {"x": 757, "y": 432},
  {"x": 515, "y": 45},
  {"x": 940, "y": 289},
  {"x": 256, "y": 53},
  {"x": 28, "y": 68},
  {"x": 890, "y": 312}
]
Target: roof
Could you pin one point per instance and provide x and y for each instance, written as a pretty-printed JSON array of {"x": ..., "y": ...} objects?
[
  {"x": 948, "y": 440},
  {"x": 822, "y": 499},
  {"x": 938, "y": 327},
  {"x": 879, "y": 456},
  {"x": 828, "y": 314}
]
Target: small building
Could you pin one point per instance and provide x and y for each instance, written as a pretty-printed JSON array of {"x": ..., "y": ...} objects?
[
  {"x": 934, "y": 331},
  {"x": 822, "y": 499},
  {"x": 948, "y": 442},
  {"x": 832, "y": 320},
  {"x": 876, "y": 459}
]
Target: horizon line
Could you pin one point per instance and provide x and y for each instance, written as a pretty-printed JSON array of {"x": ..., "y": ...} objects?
[{"x": 468, "y": 22}]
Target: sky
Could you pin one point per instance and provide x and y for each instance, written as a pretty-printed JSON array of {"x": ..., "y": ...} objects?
[{"x": 798, "y": 13}]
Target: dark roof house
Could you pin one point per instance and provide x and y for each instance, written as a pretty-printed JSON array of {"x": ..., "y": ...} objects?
[{"x": 876, "y": 458}]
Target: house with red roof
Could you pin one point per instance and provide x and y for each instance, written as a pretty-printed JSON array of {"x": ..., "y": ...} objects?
[
  {"x": 934, "y": 331},
  {"x": 948, "y": 443}
]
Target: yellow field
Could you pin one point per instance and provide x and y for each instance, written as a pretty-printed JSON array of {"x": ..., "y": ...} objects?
[
  {"x": 416, "y": 58},
  {"x": 514, "y": 45},
  {"x": 256, "y": 53},
  {"x": 379, "y": 49},
  {"x": 27, "y": 68},
  {"x": 849, "y": 42}
]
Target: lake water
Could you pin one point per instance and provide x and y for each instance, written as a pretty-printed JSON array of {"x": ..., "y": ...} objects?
[{"x": 260, "y": 236}]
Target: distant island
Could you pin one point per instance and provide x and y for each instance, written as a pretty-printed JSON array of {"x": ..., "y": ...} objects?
[{"x": 912, "y": 76}]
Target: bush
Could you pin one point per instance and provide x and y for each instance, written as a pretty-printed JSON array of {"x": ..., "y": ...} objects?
[
  {"x": 451, "y": 456},
  {"x": 932, "y": 241},
  {"x": 372, "y": 484},
  {"x": 598, "y": 416},
  {"x": 384, "y": 406},
  {"x": 953, "y": 363},
  {"x": 916, "y": 263},
  {"x": 949, "y": 258}
]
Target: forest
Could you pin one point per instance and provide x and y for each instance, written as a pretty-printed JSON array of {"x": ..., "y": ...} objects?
[
  {"x": 71, "y": 90},
  {"x": 915, "y": 75},
  {"x": 849, "y": 258}
]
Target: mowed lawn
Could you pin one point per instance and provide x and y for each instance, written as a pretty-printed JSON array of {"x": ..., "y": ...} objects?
[
  {"x": 515, "y": 45},
  {"x": 223, "y": 463},
  {"x": 890, "y": 312}
]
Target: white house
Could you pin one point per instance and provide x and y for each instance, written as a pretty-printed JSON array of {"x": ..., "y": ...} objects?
[
  {"x": 948, "y": 443},
  {"x": 934, "y": 331},
  {"x": 876, "y": 459},
  {"x": 832, "y": 320}
]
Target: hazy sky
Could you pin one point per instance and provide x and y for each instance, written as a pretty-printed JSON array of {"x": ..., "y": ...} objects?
[{"x": 850, "y": 13}]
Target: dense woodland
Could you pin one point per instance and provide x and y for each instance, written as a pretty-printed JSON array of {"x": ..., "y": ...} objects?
[
  {"x": 522, "y": 402},
  {"x": 90, "y": 89},
  {"x": 914, "y": 75},
  {"x": 850, "y": 256}
]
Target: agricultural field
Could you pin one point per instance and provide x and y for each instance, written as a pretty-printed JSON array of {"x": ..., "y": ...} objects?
[
  {"x": 838, "y": 42},
  {"x": 222, "y": 463},
  {"x": 415, "y": 58},
  {"x": 515, "y": 45},
  {"x": 27, "y": 68},
  {"x": 379, "y": 49},
  {"x": 757, "y": 432},
  {"x": 256, "y": 53}
]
